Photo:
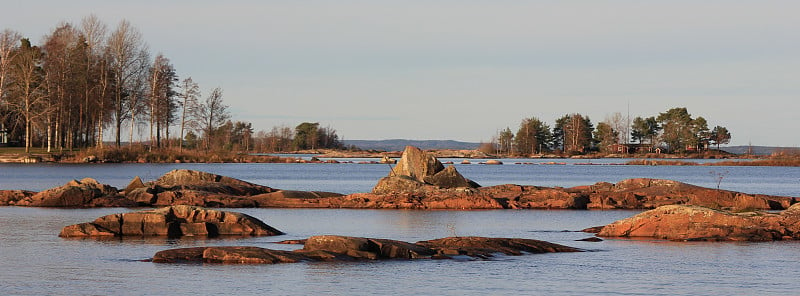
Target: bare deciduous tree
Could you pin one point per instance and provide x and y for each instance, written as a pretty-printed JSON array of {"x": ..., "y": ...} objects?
[
  {"x": 213, "y": 113},
  {"x": 28, "y": 96},
  {"x": 95, "y": 79},
  {"x": 9, "y": 44},
  {"x": 125, "y": 48},
  {"x": 162, "y": 81},
  {"x": 190, "y": 93}
]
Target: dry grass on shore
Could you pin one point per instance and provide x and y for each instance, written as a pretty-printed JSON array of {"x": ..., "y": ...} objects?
[{"x": 142, "y": 154}]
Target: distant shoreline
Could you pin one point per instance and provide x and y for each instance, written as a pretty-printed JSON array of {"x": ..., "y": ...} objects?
[{"x": 138, "y": 155}]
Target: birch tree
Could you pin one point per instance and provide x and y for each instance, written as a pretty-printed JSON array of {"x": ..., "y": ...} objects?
[
  {"x": 190, "y": 92},
  {"x": 162, "y": 81},
  {"x": 9, "y": 47},
  {"x": 575, "y": 131},
  {"x": 95, "y": 87},
  {"x": 28, "y": 96},
  {"x": 62, "y": 65}
]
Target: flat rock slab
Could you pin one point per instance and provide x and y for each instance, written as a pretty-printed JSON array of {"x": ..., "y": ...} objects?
[
  {"x": 695, "y": 223},
  {"x": 172, "y": 221},
  {"x": 346, "y": 248}
]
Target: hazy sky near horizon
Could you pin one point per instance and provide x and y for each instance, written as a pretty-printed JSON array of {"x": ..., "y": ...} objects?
[{"x": 463, "y": 69}]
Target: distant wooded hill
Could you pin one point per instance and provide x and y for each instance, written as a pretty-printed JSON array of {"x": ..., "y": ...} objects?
[{"x": 400, "y": 144}]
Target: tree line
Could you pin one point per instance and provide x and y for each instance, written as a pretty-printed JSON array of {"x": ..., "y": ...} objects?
[
  {"x": 87, "y": 80},
  {"x": 673, "y": 131}
]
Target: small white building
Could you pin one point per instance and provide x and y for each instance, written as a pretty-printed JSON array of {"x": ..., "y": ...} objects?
[{"x": 3, "y": 136}]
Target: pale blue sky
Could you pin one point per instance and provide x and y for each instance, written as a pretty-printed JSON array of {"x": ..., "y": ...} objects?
[{"x": 461, "y": 70}]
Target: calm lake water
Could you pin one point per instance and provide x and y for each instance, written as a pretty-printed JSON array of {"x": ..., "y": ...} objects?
[{"x": 35, "y": 261}]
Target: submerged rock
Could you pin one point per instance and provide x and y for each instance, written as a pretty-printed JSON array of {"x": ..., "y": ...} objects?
[
  {"x": 173, "y": 221},
  {"x": 474, "y": 246},
  {"x": 345, "y": 248}
]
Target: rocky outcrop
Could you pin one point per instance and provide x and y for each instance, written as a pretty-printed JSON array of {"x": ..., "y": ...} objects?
[
  {"x": 418, "y": 171},
  {"x": 174, "y": 221},
  {"x": 84, "y": 193},
  {"x": 345, "y": 248},
  {"x": 11, "y": 197},
  {"x": 197, "y": 188},
  {"x": 627, "y": 194},
  {"x": 692, "y": 223},
  {"x": 644, "y": 193}
]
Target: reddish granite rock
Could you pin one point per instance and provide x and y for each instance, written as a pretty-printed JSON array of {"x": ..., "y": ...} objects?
[
  {"x": 647, "y": 194},
  {"x": 84, "y": 193},
  {"x": 345, "y": 248},
  {"x": 11, "y": 197},
  {"x": 678, "y": 222},
  {"x": 136, "y": 183},
  {"x": 187, "y": 187},
  {"x": 644, "y": 193},
  {"x": 418, "y": 171},
  {"x": 174, "y": 221}
]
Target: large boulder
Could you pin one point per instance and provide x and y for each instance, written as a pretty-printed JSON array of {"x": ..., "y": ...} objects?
[
  {"x": 417, "y": 164},
  {"x": 418, "y": 171},
  {"x": 690, "y": 223},
  {"x": 136, "y": 183},
  {"x": 346, "y": 248},
  {"x": 173, "y": 221},
  {"x": 84, "y": 193}
]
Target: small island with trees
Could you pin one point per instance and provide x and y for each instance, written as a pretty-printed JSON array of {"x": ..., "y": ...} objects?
[{"x": 674, "y": 131}]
